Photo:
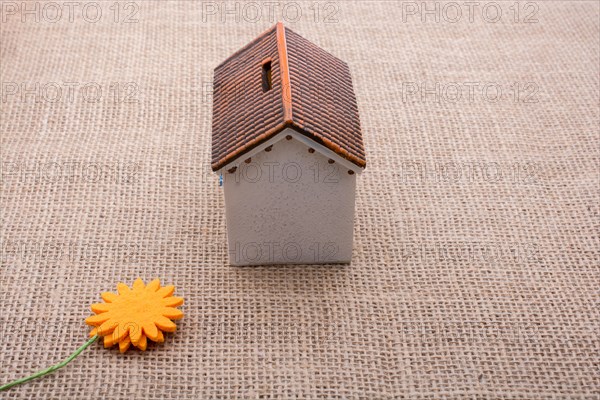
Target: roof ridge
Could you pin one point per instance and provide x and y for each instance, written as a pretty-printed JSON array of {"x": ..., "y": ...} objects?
[{"x": 284, "y": 66}]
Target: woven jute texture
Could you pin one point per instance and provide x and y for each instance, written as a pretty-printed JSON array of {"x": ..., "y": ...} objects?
[{"x": 476, "y": 253}]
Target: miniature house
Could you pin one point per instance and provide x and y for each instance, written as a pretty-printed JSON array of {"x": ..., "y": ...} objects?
[{"x": 288, "y": 147}]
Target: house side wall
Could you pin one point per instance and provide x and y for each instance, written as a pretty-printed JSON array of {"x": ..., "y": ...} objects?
[{"x": 289, "y": 206}]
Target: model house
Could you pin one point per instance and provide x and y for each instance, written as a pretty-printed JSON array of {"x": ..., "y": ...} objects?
[{"x": 288, "y": 147}]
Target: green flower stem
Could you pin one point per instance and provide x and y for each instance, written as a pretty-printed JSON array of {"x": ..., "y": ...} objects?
[{"x": 50, "y": 369}]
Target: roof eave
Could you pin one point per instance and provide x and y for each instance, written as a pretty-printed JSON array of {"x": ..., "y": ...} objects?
[{"x": 299, "y": 135}]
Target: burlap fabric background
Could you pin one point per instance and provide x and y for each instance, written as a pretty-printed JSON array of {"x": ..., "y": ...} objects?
[{"x": 475, "y": 269}]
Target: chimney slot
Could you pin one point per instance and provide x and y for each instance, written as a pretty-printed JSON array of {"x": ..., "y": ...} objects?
[{"x": 267, "y": 77}]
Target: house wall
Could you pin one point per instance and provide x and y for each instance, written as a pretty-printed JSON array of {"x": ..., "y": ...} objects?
[{"x": 289, "y": 206}]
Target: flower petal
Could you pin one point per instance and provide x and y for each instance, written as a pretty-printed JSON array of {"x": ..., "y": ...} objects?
[
  {"x": 109, "y": 297},
  {"x": 153, "y": 286},
  {"x": 165, "y": 324},
  {"x": 171, "y": 313},
  {"x": 99, "y": 308},
  {"x": 107, "y": 327},
  {"x": 166, "y": 291},
  {"x": 123, "y": 288},
  {"x": 172, "y": 301},
  {"x": 98, "y": 319},
  {"x": 94, "y": 332},
  {"x": 151, "y": 331},
  {"x": 120, "y": 333},
  {"x": 135, "y": 334},
  {"x": 143, "y": 343},
  {"x": 108, "y": 342},
  {"x": 161, "y": 337},
  {"x": 138, "y": 284},
  {"x": 124, "y": 345}
]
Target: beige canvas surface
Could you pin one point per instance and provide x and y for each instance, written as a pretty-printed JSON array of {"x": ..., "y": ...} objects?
[{"x": 476, "y": 255}]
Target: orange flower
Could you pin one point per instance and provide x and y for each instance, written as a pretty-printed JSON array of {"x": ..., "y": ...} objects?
[{"x": 135, "y": 315}]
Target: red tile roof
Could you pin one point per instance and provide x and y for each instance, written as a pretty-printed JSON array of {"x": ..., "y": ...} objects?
[{"x": 311, "y": 92}]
